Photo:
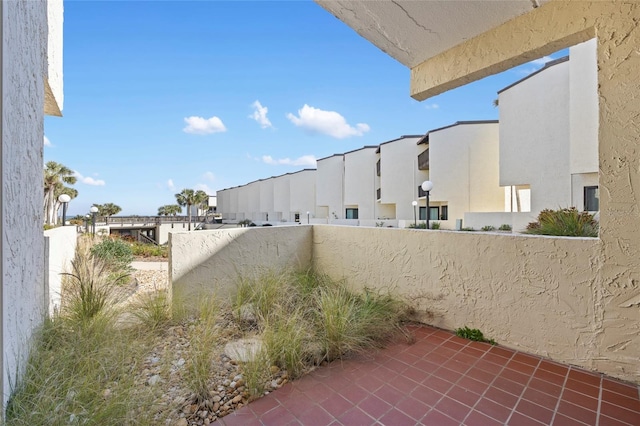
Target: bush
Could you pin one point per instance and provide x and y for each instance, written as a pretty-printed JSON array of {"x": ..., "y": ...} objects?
[
  {"x": 473, "y": 334},
  {"x": 504, "y": 227},
  {"x": 488, "y": 228},
  {"x": 435, "y": 225},
  {"x": 568, "y": 222},
  {"x": 149, "y": 250},
  {"x": 115, "y": 253},
  {"x": 418, "y": 226}
]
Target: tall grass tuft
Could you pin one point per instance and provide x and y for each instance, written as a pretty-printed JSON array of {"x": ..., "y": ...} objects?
[
  {"x": 152, "y": 309},
  {"x": 256, "y": 372},
  {"x": 564, "y": 222}
]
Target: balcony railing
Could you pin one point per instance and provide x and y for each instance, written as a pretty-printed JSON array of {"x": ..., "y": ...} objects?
[{"x": 423, "y": 160}]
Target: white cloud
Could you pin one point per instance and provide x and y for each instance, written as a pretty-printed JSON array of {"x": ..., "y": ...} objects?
[
  {"x": 203, "y": 126},
  {"x": 260, "y": 115},
  {"x": 432, "y": 106},
  {"x": 533, "y": 66},
  {"x": 305, "y": 160},
  {"x": 47, "y": 142},
  {"x": 171, "y": 185},
  {"x": 204, "y": 187},
  {"x": 327, "y": 122},
  {"x": 541, "y": 61},
  {"x": 88, "y": 180},
  {"x": 209, "y": 176}
]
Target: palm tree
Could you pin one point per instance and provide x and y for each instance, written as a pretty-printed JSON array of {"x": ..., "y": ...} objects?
[
  {"x": 190, "y": 197},
  {"x": 169, "y": 210},
  {"x": 55, "y": 175},
  {"x": 108, "y": 209}
]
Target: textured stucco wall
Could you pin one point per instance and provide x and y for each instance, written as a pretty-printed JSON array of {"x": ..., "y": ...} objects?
[
  {"x": 60, "y": 247},
  {"x": 506, "y": 285},
  {"x": 24, "y": 66},
  {"x": 213, "y": 260}
]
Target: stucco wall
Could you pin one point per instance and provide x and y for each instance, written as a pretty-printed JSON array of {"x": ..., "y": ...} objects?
[
  {"x": 330, "y": 185},
  {"x": 302, "y": 194},
  {"x": 359, "y": 181},
  {"x": 505, "y": 285},
  {"x": 60, "y": 247},
  {"x": 24, "y": 66},
  {"x": 213, "y": 260}
]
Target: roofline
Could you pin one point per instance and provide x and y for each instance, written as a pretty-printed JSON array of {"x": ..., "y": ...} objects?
[
  {"x": 360, "y": 149},
  {"x": 425, "y": 140},
  {"x": 545, "y": 67},
  {"x": 397, "y": 139},
  {"x": 329, "y": 156},
  {"x": 264, "y": 179}
]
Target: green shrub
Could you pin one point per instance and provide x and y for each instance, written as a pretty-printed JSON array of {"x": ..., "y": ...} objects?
[
  {"x": 435, "y": 225},
  {"x": 504, "y": 227},
  {"x": 488, "y": 228},
  {"x": 116, "y": 253},
  {"x": 473, "y": 334},
  {"x": 153, "y": 309},
  {"x": 567, "y": 222},
  {"x": 468, "y": 229},
  {"x": 149, "y": 250},
  {"x": 418, "y": 226}
]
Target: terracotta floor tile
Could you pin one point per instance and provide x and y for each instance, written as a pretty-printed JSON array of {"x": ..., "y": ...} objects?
[
  {"x": 508, "y": 386},
  {"x": 415, "y": 374},
  {"x": 296, "y": 404},
  {"x": 613, "y": 398},
  {"x": 354, "y": 394},
  {"x": 239, "y": 419},
  {"x": 472, "y": 385},
  {"x": 408, "y": 358},
  {"x": 427, "y": 395},
  {"x": 437, "y": 384},
  {"x": 315, "y": 416},
  {"x": 436, "y": 358},
  {"x": 520, "y": 367},
  {"x": 369, "y": 382},
  {"x": 445, "y": 335},
  {"x": 578, "y": 413},
  {"x": 503, "y": 352},
  {"x": 476, "y": 418},
  {"x": 447, "y": 374},
  {"x": 356, "y": 416},
  {"x": 374, "y": 406},
  {"x": 622, "y": 414},
  {"x": 277, "y": 416},
  {"x": 465, "y": 358},
  {"x": 515, "y": 376},
  {"x": 426, "y": 366},
  {"x": 489, "y": 367},
  {"x": 453, "y": 409},
  {"x": 583, "y": 388},
  {"x": 496, "y": 359},
  {"x": 585, "y": 376},
  {"x": 553, "y": 367},
  {"x": 480, "y": 375},
  {"x": 337, "y": 405},
  {"x": 456, "y": 345},
  {"x": 608, "y": 421},
  {"x": 403, "y": 384},
  {"x": 495, "y": 411},
  {"x": 550, "y": 377},
  {"x": 385, "y": 374},
  {"x": 395, "y": 417},
  {"x": 435, "y": 417},
  {"x": 396, "y": 366},
  {"x": 455, "y": 365},
  {"x": 463, "y": 395},
  {"x": 473, "y": 351},
  {"x": 535, "y": 411},
  {"x": 580, "y": 399},
  {"x": 620, "y": 387},
  {"x": 562, "y": 420},
  {"x": 519, "y": 419},
  {"x": 526, "y": 359},
  {"x": 414, "y": 408},
  {"x": 319, "y": 392},
  {"x": 501, "y": 397},
  {"x": 264, "y": 404},
  {"x": 389, "y": 394},
  {"x": 545, "y": 387},
  {"x": 538, "y": 397}
]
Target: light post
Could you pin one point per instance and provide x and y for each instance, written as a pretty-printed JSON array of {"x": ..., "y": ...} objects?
[
  {"x": 64, "y": 199},
  {"x": 414, "y": 203},
  {"x": 86, "y": 223},
  {"x": 94, "y": 211},
  {"x": 308, "y": 217},
  {"x": 427, "y": 186}
]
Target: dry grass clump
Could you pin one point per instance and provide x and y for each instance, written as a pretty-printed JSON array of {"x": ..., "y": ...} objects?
[{"x": 306, "y": 318}]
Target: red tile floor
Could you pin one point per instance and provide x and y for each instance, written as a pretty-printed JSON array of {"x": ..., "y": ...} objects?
[{"x": 445, "y": 380}]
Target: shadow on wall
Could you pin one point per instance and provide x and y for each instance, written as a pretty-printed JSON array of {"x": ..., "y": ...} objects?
[{"x": 212, "y": 261}]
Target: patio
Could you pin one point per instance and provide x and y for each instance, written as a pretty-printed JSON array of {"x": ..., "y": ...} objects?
[{"x": 445, "y": 380}]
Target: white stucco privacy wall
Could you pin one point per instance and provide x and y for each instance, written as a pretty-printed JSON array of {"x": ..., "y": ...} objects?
[
  {"x": 208, "y": 261},
  {"x": 23, "y": 86},
  {"x": 59, "y": 250}
]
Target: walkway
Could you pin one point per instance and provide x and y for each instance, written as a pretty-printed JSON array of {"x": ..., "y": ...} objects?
[{"x": 444, "y": 380}]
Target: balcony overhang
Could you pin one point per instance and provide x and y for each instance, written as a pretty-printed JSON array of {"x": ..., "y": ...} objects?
[{"x": 418, "y": 32}]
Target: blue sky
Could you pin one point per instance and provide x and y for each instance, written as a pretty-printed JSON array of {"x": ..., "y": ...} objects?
[{"x": 162, "y": 96}]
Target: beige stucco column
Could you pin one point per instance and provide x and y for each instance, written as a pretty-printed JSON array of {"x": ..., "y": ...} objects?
[{"x": 556, "y": 25}]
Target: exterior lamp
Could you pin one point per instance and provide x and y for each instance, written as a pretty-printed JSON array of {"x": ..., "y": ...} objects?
[
  {"x": 94, "y": 211},
  {"x": 427, "y": 186},
  {"x": 308, "y": 217},
  {"x": 414, "y": 203},
  {"x": 64, "y": 199},
  {"x": 86, "y": 223}
]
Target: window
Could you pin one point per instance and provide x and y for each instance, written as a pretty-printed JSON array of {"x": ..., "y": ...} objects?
[
  {"x": 378, "y": 194},
  {"x": 591, "y": 199},
  {"x": 352, "y": 213},
  {"x": 444, "y": 213},
  {"x": 297, "y": 217},
  {"x": 434, "y": 213}
]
